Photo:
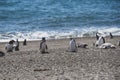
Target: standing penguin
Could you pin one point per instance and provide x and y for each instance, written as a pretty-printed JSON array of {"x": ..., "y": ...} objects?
[
  {"x": 72, "y": 45},
  {"x": 97, "y": 36},
  {"x": 16, "y": 45},
  {"x": 24, "y": 42},
  {"x": 111, "y": 36},
  {"x": 119, "y": 43},
  {"x": 43, "y": 46},
  {"x": 100, "y": 41}
]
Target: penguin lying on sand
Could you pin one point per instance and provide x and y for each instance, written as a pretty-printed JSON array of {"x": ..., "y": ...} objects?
[
  {"x": 82, "y": 45},
  {"x": 107, "y": 46}
]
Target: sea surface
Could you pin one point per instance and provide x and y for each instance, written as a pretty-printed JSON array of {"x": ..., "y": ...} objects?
[{"x": 34, "y": 19}]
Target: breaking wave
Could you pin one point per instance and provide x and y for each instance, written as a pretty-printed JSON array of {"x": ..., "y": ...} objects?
[{"x": 37, "y": 35}]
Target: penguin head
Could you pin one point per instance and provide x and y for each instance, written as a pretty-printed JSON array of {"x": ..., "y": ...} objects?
[{"x": 43, "y": 39}]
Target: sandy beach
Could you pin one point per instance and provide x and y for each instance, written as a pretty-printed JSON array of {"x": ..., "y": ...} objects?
[{"x": 86, "y": 64}]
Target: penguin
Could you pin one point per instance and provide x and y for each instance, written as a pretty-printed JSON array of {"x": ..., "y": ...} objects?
[
  {"x": 16, "y": 45},
  {"x": 9, "y": 47},
  {"x": 100, "y": 41},
  {"x": 72, "y": 45},
  {"x": 82, "y": 45},
  {"x": 2, "y": 54},
  {"x": 111, "y": 36},
  {"x": 43, "y": 46},
  {"x": 119, "y": 43},
  {"x": 24, "y": 42},
  {"x": 97, "y": 36},
  {"x": 107, "y": 46}
]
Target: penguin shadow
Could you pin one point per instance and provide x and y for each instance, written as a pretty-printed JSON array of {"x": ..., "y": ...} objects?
[
  {"x": 2, "y": 54},
  {"x": 46, "y": 52}
]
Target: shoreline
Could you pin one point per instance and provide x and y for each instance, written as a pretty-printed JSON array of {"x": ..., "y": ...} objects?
[{"x": 21, "y": 40}]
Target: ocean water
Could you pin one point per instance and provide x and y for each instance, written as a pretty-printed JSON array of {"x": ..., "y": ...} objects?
[{"x": 34, "y": 19}]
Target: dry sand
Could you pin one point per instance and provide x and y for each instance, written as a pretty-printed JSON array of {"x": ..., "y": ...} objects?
[{"x": 86, "y": 64}]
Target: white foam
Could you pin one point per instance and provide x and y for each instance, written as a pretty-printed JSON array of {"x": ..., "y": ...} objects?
[{"x": 78, "y": 32}]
